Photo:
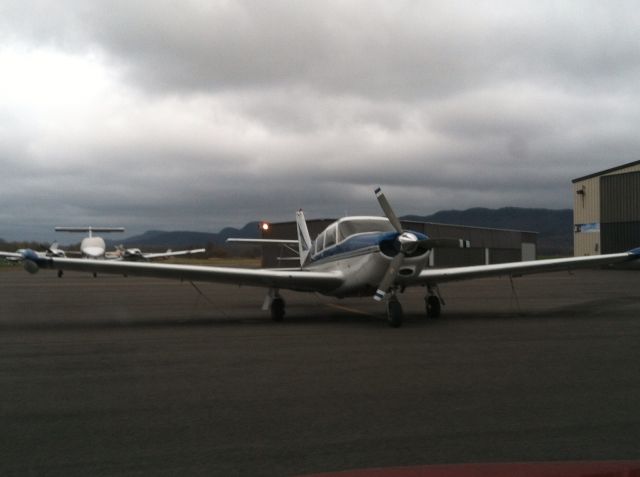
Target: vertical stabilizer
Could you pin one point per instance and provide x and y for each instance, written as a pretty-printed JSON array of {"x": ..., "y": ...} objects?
[{"x": 304, "y": 240}]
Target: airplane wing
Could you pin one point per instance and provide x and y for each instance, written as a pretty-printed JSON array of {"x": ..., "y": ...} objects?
[
  {"x": 152, "y": 256},
  {"x": 288, "y": 279},
  {"x": 11, "y": 256},
  {"x": 434, "y": 276}
]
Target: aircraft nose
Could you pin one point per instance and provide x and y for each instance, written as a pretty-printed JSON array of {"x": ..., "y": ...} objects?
[
  {"x": 93, "y": 252},
  {"x": 29, "y": 254}
]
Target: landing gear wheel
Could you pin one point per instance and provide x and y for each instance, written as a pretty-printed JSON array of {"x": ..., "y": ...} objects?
[
  {"x": 277, "y": 309},
  {"x": 433, "y": 306},
  {"x": 394, "y": 313}
]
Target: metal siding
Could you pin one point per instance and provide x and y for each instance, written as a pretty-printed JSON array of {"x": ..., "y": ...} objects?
[
  {"x": 620, "y": 236},
  {"x": 449, "y": 257},
  {"x": 633, "y": 168},
  {"x": 586, "y": 244},
  {"x": 620, "y": 198},
  {"x": 621, "y": 169},
  {"x": 617, "y": 201},
  {"x": 528, "y": 251},
  {"x": 586, "y": 207},
  {"x": 502, "y": 255},
  {"x": 586, "y": 210}
]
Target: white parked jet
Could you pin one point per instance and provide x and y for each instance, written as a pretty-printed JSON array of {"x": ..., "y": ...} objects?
[
  {"x": 91, "y": 246},
  {"x": 94, "y": 247},
  {"x": 354, "y": 256}
]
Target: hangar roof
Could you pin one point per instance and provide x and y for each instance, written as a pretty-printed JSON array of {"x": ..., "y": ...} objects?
[{"x": 606, "y": 171}]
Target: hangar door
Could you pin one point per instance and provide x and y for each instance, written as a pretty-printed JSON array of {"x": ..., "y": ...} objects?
[{"x": 620, "y": 212}]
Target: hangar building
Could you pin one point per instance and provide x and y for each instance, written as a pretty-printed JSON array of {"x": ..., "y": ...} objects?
[
  {"x": 487, "y": 245},
  {"x": 606, "y": 211}
]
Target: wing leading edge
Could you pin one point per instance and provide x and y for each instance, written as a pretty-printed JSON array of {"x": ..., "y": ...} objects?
[
  {"x": 441, "y": 275},
  {"x": 290, "y": 279}
]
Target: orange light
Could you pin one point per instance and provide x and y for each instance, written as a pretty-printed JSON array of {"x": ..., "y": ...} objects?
[{"x": 264, "y": 226}]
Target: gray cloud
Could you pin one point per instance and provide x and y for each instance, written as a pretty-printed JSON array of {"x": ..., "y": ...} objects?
[{"x": 202, "y": 114}]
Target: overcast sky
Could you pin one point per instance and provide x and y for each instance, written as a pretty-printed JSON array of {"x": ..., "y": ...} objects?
[{"x": 201, "y": 114}]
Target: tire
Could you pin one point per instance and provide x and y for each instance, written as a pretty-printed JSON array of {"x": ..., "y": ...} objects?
[
  {"x": 277, "y": 309},
  {"x": 433, "y": 306},
  {"x": 394, "y": 314}
]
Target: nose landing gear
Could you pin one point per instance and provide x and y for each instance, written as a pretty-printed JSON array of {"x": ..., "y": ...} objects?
[
  {"x": 433, "y": 302},
  {"x": 394, "y": 312}
]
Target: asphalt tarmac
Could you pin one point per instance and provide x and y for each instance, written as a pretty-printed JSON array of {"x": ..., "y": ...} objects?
[{"x": 127, "y": 376}]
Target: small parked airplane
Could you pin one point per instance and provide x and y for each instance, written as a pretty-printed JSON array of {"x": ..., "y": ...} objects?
[
  {"x": 17, "y": 256},
  {"x": 353, "y": 256}
]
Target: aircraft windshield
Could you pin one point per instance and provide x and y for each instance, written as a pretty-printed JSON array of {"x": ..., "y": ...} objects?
[{"x": 359, "y": 226}]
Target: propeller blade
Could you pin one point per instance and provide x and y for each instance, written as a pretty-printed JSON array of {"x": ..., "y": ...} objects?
[
  {"x": 388, "y": 211},
  {"x": 443, "y": 243},
  {"x": 389, "y": 277}
]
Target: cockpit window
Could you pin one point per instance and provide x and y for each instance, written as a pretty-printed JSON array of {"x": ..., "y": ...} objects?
[
  {"x": 359, "y": 226},
  {"x": 330, "y": 236},
  {"x": 319, "y": 243}
]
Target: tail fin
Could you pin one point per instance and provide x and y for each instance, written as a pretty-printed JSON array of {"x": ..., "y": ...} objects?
[{"x": 304, "y": 240}]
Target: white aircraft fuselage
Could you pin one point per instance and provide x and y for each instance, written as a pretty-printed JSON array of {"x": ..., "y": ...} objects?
[
  {"x": 93, "y": 247},
  {"x": 363, "y": 257}
]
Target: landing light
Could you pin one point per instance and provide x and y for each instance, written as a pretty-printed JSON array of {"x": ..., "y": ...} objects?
[{"x": 264, "y": 226}]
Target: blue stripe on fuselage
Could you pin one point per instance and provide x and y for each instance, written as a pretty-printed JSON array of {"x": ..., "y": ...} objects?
[{"x": 357, "y": 245}]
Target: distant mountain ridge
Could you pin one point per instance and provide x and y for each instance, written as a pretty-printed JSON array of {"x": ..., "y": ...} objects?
[
  {"x": 554, "y": 227},
  {"x": 186, "y": 239}
]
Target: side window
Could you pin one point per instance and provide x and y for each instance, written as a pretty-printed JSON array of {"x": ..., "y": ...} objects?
[
  {"x": 319, "y": 243},
  {"x": 330, "y": 237}
]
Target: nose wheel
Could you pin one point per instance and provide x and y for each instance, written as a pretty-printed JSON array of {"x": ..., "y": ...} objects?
[
  {"x": 394, "y": 312},
  {"x": 433, "y": 306}
]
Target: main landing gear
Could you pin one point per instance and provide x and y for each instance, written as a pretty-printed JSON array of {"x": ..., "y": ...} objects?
[
  {"x": 275, "y": 304},
  {"x": 433, "y": 302},
  {"x": 277, "y": 309},
  {"x": 433, "y": 307}
]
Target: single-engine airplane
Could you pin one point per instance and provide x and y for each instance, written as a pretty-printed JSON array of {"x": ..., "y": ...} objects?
[
  {"x": 52, "y": 251},
  {"x": 354, "y": 256}
]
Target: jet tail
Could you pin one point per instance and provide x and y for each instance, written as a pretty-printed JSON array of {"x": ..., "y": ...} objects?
[{"x": 304, "y": 239}]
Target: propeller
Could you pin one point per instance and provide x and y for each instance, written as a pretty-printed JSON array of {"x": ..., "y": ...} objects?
[
  {"x": 388, "y": 211},
  {"x": 407, "y": 243}
]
